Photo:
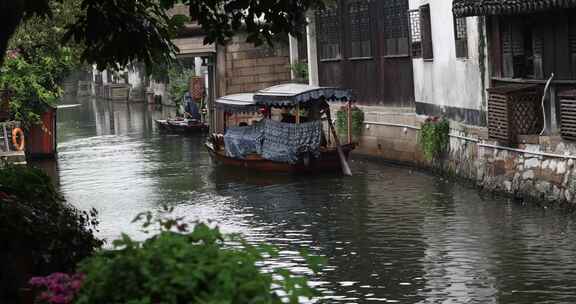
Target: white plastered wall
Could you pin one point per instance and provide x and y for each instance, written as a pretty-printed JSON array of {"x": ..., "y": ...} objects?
[{"x": 447, "y": 80}]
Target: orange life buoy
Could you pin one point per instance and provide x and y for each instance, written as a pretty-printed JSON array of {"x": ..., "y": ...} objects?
[{"x": 18, "y": 143}]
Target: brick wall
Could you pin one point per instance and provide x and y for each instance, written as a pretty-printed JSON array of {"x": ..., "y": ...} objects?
[{"x": 250, "y": 68}]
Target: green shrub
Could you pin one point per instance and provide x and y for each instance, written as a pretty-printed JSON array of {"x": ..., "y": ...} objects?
[
  {"x": 179, "y": 83},
  {"x": 181, "y": 266},
  {"x": 434, "y": 137},
  {"x": 39, "y": 232},
  {"x": 300, "y": 70},
  {"x": 357, "y": 121}
]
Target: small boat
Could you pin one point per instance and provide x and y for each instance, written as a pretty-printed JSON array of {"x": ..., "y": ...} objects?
[
  {"x": 182, "y": 126},
  {"x": 296, "y": 144},
  {"x": 328, "y": 161}
]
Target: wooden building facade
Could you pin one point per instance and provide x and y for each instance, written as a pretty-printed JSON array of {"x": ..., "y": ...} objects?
[
  {"x": 364, "y": 45},
  {"x": 528, "y": 42}
]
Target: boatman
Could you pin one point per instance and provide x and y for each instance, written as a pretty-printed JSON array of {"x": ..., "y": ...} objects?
[{"x": 191, "y": 108}]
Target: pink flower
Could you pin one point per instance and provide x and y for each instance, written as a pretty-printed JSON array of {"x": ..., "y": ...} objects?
[
  {"x": 58, "y": 299},
  {"x": 37, "y": 281},
  {"x": 76, "y": 284},
  {"x": 44, "y": 296},
  {"x": 60, "y": 288},
  {"x": 12, "y": 54}
]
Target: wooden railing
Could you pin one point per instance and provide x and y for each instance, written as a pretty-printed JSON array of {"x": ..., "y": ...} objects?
[
  {"x": 6, "y": 135},
  {"x": 8, "y": 155}
]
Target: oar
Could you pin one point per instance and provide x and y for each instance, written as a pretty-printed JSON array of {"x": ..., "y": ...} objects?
[
  {"x": 345, "y": 168},
  {"x": 545, "y": 128}
]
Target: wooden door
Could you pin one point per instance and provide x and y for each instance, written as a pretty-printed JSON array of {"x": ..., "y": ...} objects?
[{"x": 364, "y": 45}]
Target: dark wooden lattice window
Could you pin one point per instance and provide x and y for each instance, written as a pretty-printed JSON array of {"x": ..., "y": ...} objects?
[
  {"x": 572, "y": 43},
  {"x": 461, "y": 37},
  {"x": 426, "y": 31},
  {"x": 538, "y": 53},
  {"x": 395, "y": 27},
  {"x": 519, "y": 48},
  {"x": 328, "y": 32},
  {"x": 415, "y": 33},
  {"x": 360, "y": 33}
]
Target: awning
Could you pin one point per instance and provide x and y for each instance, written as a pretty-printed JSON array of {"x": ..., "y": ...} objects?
[
  {"x": 294, "y": 93},
  {"x": 465, "y": 8},
  {"x": 237, "y": 103},
  {"x": 194, "y": 46}
]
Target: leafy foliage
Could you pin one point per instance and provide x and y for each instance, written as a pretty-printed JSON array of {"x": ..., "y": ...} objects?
[
  {"x": 37, "y": 62},
  {"x": 13, "y": 13},
  {"x": 39, "y": 232},
  {"x": 357, "y": 120},
  {"x": 119, "y": 32},
  {"x": 179, "y": 265},
  {"x": 30, "y": 84},
  {"x": 434, "y": 137},
  {"x": 261, "y": 20},
  {"x": 179, "y": 83},
  {"x": 300, "y": 70}
]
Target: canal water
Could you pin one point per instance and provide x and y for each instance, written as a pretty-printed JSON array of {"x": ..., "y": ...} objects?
[{"x": 391, "y": 234}]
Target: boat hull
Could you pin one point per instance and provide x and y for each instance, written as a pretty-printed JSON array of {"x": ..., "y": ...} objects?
[
  {"x": 327, "y": 162},
  {"x": 181, "y": 128}
]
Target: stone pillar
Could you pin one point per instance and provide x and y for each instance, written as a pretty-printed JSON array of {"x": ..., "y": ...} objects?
[
  {"x": 554, "y": 129},
  {"x": 312, "y": 50},
  {"x": 211, "y": 98},
  {"x": 294, "y": 56},
  {"x": 220, "y": 85}
]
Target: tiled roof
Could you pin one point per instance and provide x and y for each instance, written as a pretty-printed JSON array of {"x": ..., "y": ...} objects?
[{"x": 462, "y": 8}]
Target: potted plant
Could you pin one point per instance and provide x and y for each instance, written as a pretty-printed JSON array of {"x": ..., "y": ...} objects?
[
  {"x": 434, "y": 137},
  {"x": 300, "y": 71},
  {"x": 357, "y": 122}
]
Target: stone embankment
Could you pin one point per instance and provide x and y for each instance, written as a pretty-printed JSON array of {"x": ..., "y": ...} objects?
[{"x": 542, "y": 170}]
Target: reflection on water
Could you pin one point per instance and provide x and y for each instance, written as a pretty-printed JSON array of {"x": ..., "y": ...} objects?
[{"x": 390, "y": 234}]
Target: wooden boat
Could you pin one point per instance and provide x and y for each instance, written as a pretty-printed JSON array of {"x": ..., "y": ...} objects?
[
  {"x": 327, "y": 162},
  {"x": 181, "y": 126},
  {"x": 329, "y": 158}
]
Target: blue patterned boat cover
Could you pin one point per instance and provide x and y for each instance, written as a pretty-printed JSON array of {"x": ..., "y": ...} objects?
[
  {"x": 275, "y": 141},
  {"x": 284, "y": 142},
  {"x": 242, "y": 141}
]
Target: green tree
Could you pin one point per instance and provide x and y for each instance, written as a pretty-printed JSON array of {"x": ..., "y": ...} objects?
[
  {"x": 119, "y": 32},
  {"x": 38, "y": 62}
]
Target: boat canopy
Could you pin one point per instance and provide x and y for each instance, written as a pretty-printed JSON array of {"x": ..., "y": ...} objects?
[
  {"x": 294, "y": 93},
  {"x": 237, "y": 103}
]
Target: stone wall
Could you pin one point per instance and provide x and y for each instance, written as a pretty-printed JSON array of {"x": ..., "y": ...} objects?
[
  {"x": 250, "y": 68},
  {"x": 543, "y": 170}
]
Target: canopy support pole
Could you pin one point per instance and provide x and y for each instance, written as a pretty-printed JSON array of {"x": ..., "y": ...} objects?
[
  {"x": 349, "y": 119},
  {"x": 297, "y": 113},
  {"x": 345, "y": 168}
]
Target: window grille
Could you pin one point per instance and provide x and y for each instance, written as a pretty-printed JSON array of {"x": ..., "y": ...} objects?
[
  {"x": 360, "y": 33},
  {"x": 572, "y": 43},
  {"x": 461, "y": 37},
  {"x": 395, "y": 27},
  {"x": 328, "y": 31},
  {"x": 426, "y": 31},
  {"x": 415, "y": 33}
]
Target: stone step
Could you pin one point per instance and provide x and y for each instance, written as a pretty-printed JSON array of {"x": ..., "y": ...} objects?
[{"x": 12, "y": 158}]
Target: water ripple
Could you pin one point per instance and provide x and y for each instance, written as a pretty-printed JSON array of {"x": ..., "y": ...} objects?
[{"x": 390, "y": 234}]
